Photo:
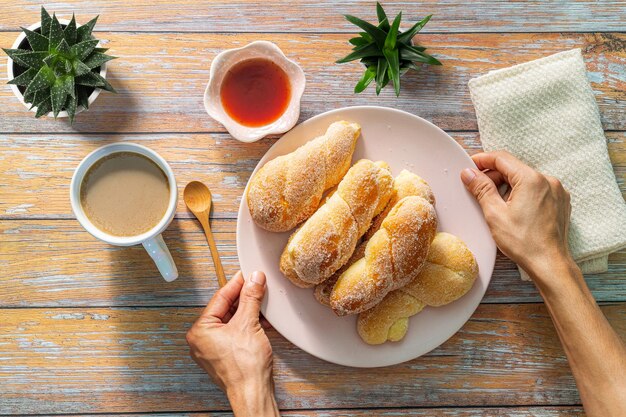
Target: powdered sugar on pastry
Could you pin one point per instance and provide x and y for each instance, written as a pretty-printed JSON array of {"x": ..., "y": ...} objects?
[
  {"x": 288, "y": 189},
  {"x": 327, "y": 239},
  {"x": 393, "y": 256}
]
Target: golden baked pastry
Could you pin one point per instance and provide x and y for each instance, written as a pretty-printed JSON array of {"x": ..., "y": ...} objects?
[
  {"x": 288, "y": 189},
  {"x": 404, "y": 185},
  {"x": 328, "y": 238},
  {"x": 448, "y": 274},
  {"x": 394, "y": 255},
  {"x": 388, "y": 320}
]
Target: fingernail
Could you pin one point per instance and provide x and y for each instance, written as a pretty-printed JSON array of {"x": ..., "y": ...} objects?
[
  {"x": 257, "y": 278},
  {"x": 467, "y": 175}
]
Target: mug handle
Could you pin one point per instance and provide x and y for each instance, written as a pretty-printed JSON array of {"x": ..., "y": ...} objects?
[{"x": 162, "y": 258}]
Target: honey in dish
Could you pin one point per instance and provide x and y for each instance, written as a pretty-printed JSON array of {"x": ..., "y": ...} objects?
[
  {"x": 125, "y": 194},
  {"x": 255, "y": 92}
]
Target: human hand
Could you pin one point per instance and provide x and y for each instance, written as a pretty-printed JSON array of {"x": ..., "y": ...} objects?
[
  {"x": 530, "y": 223},
  {"x": 228, "y": 342}
]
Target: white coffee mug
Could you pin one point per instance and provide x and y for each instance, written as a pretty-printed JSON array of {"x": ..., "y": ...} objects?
[{"x": 151, "y": 240}]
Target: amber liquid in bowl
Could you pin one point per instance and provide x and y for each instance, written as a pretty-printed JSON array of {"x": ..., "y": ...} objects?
[{"x": 255, "y": 92}]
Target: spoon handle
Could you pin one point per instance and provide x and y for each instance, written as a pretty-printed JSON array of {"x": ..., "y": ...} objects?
[{"x": 217, "y": 262}]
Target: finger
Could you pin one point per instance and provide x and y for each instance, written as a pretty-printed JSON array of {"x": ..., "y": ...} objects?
[
  {"x": 509, "y": 166},
  {"x": 231, "y": 312},
  {"x": 251, "y": 297},
  {"x": 224, "y": 299},
  {"x": 496, "y": 177},
  {"x": 483, "y": 189}
]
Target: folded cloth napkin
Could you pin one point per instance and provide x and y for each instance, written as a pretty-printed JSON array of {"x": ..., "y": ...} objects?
[{"x": 544, "y": 112}]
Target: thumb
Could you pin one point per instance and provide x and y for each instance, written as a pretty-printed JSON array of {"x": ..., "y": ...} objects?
[
  {"x": 482, "y": 188},
  {"x": 251, "y": 296}
]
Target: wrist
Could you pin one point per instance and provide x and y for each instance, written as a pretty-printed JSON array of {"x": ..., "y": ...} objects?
[
  {"x": 254, "y": 397},
  {"x": 552, "y": 273},
  {"x": 542, "y": 268}
]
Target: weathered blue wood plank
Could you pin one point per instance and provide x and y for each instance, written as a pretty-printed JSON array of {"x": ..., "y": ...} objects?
[
  {"x": 326, "y": 15},
  {"x": 43, "y": 267},
  {"x": 161, "y": 79},
  {"x": 136, "y": 360}
]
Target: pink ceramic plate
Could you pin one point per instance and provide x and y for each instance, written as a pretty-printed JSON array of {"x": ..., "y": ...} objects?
[{"x": 404, "y": 141}]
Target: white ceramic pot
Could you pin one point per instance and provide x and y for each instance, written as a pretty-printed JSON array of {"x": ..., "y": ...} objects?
[
  {"x": 220, "y": 66},
  {"x": 18, "y": 93},
  {"x": 151, "y": 240}
]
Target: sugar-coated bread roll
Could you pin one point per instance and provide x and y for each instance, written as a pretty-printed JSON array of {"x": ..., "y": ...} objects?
[
  {"x": 388, "y": 320},
  {"x": 328, "y": 238},
  {"x": 323, "y": 290},
  {"x": 288, "y": 189},
  {"x": 394, "y": 255},
  {"x": 449, "y": 272},
  {"x": 404, "y": 185}
]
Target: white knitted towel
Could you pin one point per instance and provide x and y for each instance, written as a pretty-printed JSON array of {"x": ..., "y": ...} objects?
[{"x": 544, "y": 112}]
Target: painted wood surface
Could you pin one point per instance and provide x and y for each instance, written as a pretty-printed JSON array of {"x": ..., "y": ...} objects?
[
  {"x": 161, "y": 78},
  {"x": 89, "y": 328},
  {"x": 43, "y": 268},
  {"x": 68, "y": 360},
  {"x": 405, "y": 412},
  {"x": 37, "y": 169},
  {"x": 326, "y": 15}
]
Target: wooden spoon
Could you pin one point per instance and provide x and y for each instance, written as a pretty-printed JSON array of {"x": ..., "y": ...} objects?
[{"x": 197, "y": 197}]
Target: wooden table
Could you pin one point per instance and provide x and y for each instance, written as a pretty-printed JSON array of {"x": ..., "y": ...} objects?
[{"x": 86, "y": 328}]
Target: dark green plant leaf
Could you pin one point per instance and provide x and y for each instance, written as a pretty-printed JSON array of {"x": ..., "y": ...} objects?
[
  {"x": 64, "y": 49},
  {"x": 45, "y": 21},
  {"x": 70, "y": 107},
  {"x": 83, "y": 96},
  {"x": 83, "y": 49},
  {"x": 83, "y": 33},
  {"x": 375, "y": 32},
  {"x": 67, "y": 83},
  {"x": 80, "y": 68},
  {"x": 58, "y": 95},
  {"x": 43, "y": 79},
  {"x": 92, "y": 79},
  {"x": 381, "y": 72},
  {"x": 369, "y": 61},
  {"x": 24, "y": 78},
  {"x": 13, "y": 52},
  {"x": 358, "y": 41},
  {"x": 406, "y": 37},
  {"x": 44, "y": 107},
  {"x": 37, "y": 97},
  {"x": 37, "y": 42},
  {"x": 393, "y": 59},
  {"x": 410, "y": 65},
  {"x": 368, "y": 76},
  {"x": 96, "y": 59},
  {"x": 29, "y": 59},
  {"x": 417, "y": 47},
  {"x": 56, "y": 33},
  {"x": 69, "y": 33},
  {"x": 418, "y": 56},
  {"x": 51, "y": 60},
  {"x": 101, "y": 50},
  {"x": 392, "y": 35},
  {"x": 362, "y": 52},
  {"x": 366, "y": 36},
  {"x": 68, "y": 66},
  {"x": 383, "y": 22}
]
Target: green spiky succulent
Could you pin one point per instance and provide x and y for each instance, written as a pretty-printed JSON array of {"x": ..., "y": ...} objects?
[
  {"x": 60, "y": 66},
  {"x": 386, "y": 53}
]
